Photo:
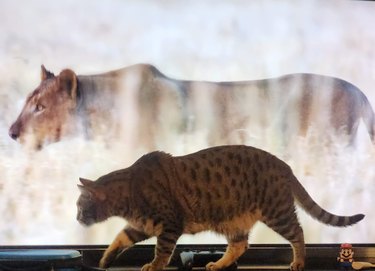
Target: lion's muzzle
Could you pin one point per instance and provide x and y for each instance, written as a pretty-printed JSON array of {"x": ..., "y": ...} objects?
[{"x": 14, "y": 131}]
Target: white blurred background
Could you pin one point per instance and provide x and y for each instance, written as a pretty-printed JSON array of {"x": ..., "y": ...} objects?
[{"x": 212, "y": 40}]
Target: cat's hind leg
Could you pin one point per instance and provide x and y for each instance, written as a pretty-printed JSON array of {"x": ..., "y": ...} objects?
[
  {"x": 236, "y": 247},
  {"x": 124, "y": 239},
  {"x": 287, "y": 226}
]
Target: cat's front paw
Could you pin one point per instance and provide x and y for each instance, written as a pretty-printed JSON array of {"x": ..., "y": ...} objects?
[
  {"x": 211, "y": 266},
  {"x": 103, "y": 263},
  {"x": 148, "y": 267},
  {"x": 107, "y": 260},
  {"x": 297, "y": 266}
]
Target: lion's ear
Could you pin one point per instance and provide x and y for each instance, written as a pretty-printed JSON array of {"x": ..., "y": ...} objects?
[
  {"x": 68, "y": 82},
  {"x": 45, "y": 74}
]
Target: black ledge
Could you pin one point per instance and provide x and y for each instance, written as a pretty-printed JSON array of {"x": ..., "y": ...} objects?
[{"x": 257, "y": 257}]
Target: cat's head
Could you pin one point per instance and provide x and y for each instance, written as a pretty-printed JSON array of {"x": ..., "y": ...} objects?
[{"x": 91, "y": 204}]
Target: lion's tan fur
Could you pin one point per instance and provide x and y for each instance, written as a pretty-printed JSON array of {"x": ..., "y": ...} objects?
[{"x": 147, "y": 108}]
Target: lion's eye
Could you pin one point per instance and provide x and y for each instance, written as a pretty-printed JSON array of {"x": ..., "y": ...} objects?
[{"x": 39, "y": 108}]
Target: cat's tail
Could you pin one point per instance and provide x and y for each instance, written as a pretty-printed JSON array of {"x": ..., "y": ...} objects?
[{"x": 311, "y": 207}]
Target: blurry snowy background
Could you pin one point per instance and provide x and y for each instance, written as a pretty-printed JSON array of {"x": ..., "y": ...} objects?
[{"x": 199, "y": 40}]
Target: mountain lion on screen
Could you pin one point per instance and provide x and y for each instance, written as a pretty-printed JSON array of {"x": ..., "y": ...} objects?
[
  {"x": 147, "y": 109},
  {"x": 224, "y": 189}
]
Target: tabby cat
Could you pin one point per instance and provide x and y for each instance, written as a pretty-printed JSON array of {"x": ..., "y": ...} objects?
[{"x": 225, "y": 189}]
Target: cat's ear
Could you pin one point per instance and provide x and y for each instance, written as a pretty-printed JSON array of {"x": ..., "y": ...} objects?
[
  {"x": 81, "y": 188},
  {"x": 86, "y": 182},
  {"x": 93, "y": 191},
  {"x": 84, "y": 190}
]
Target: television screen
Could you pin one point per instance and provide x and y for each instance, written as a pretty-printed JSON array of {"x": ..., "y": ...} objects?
[{"x": 88, "y": 87}]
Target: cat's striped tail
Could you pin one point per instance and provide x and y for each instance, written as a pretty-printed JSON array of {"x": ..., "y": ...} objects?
[{"x": 311, "y": 207}]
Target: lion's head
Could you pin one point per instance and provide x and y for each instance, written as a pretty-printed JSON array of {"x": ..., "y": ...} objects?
[{"x": 47, "y": 113}]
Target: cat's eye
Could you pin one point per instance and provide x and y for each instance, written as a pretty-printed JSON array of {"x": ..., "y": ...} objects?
[{"x": 39, "y": 108}]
